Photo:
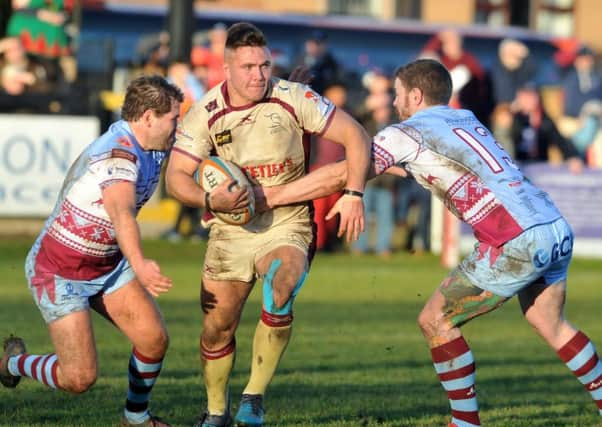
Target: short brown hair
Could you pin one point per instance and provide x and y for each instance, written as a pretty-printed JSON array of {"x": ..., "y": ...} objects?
[
  {"x": 245, "y": 34},
  {"x": 430, "y": 76},
  {"x": 149, "y": 92}
]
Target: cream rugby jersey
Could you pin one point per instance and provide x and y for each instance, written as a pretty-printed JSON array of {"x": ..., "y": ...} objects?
[{"x": 267, "y": 139}]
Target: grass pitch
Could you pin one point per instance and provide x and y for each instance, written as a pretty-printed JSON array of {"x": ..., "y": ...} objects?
[{"x": 356, "y": 358}]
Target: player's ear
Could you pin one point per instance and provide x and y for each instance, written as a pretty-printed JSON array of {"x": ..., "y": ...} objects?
[
  {"x": 417, "y": 96},
  {"x": 148, "y": 117}
]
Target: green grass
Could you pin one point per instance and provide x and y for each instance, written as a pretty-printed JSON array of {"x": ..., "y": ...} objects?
[{"x": 356, "y": 358}]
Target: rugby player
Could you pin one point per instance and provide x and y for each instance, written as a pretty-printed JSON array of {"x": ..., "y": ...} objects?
[
  {"x": 260, "y": 123},
  {"x": 89, "y": 255},
  {"x": 524, "y": 245}
]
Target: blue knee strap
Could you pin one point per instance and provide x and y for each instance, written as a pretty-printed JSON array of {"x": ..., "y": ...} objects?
[{"x": 268, "y": 292}]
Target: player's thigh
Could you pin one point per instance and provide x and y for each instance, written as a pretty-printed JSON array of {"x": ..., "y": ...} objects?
[
  {"x": 73, "y": 340},
  {"x": 456, "y": 301},
  {"x": 222, "y": 302},
  {"x": 543, "y": 300},
  {"x": 135, "y": 312},
  {"x": 543, "y": 304}
]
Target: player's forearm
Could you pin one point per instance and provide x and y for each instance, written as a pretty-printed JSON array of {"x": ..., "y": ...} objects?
[
  {"x": 127, "y": 233},
  {"x": 357, "y": 153},
  {"x": 183, "y": 188},
  {"x": 319, "y": 183}
]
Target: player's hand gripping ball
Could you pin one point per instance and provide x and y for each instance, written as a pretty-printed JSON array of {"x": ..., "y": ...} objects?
[{"x": 212, "y": 172}]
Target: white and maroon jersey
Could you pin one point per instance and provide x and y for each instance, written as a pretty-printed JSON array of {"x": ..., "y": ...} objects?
[
  {"x": 78, "y": 240},
  {"x": 450, "y": 153},
  {"x": 267, "y": 139}
]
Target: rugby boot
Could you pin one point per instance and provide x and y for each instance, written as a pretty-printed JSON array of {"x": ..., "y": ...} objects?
[
  {"x": 13, "y": 346},
  {"x": 208, "y": 420},
  {"x": 151, "y": 422},
  {"x": 250, "y": 411}
]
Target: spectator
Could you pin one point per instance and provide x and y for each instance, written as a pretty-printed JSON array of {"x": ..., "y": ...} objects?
[
  {"x": 42, "y": 27},
  {"x": 180, "y": 74},
  {"x": 22, "y": 73},
  {"x": 40, "y": 24},
  {"x": 217, "y": 45},
  {"x": 588, "y": 131},
  {"x": 6, "y": 11},
  {"x": 200, "y": 58},
  {"x": 322, "y": 64},
  {"x": 582, "y": 84},
  {"x": 152, "y": 54},
  {"x": 534, "y": 132},
  {"x": 378, "y": 194},
  {"x": 513, "y": 68},
  {"x": 281, "y": 64},
  {"x": 325, "y": 151},
  {"x": 468, "y": 76},
  {"x": 409, "y": 193}
]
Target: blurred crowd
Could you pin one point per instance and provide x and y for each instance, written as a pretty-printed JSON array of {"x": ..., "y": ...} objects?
[
  {"x": 36, "y": 55},
  {"x": 534, "y": 125}
]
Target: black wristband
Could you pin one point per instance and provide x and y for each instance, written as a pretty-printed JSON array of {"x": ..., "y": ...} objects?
[
  {"x": 349, "y": 192},
  {"x": 207, "y": 201}
]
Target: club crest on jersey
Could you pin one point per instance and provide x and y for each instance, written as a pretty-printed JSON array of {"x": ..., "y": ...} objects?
[
  {"x": 224, "y": 137},
  {"x": 276, "y": 123},
  {"x": 211, "y": 106}
]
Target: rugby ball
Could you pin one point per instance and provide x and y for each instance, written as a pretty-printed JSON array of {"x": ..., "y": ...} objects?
[{"x": 215, "y": 170}]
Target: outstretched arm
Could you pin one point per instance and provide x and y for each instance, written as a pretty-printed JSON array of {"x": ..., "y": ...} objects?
[{"x": 321, "y": 182}]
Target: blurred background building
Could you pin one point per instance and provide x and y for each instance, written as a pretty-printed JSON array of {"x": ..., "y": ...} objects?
[{"x": 74, "y": 58}]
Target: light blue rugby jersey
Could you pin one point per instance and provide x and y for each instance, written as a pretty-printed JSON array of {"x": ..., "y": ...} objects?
[
  {"x": 452, "y": 154},
  {"x": 78, "y": 239}
]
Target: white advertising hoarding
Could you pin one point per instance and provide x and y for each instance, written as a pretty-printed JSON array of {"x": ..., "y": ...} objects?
[{"x": 35, "y": 154}]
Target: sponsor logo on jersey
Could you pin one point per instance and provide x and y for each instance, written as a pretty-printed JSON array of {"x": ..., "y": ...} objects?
[
  {"x": 269, "y": 170},
  {"x": 541, "y": 258},
  {"x": 212, "y": 105},
  {"x": 69, "y": 292},
  {"x": 562, "y": 249},
  {"x": 224, "y": 137},
  {"x": 481, "y": 131}
]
